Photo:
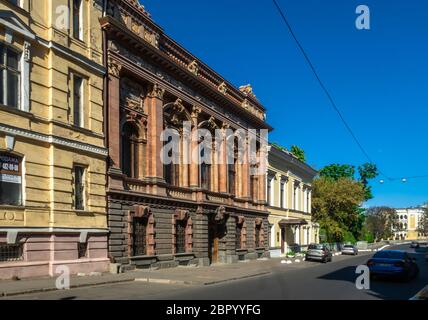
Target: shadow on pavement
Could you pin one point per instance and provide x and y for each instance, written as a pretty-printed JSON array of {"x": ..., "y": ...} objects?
[{"x": 386, "y": 288}]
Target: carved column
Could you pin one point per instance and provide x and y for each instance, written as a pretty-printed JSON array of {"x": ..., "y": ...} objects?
[
  {"x": 262, "y": 175},
  {"x": 214, "y": 166},
  {"x": 194, "y": 150},
  {"x": 245, "y": 172},
  {"x": 184, "y": 166},
  {"x": 154, "y": 130},
  {"x": 222, "y": 174}
]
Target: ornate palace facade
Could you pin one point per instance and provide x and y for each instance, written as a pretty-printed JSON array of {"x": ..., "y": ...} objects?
[
  {"x": 182, "y": 213},
  {"x": 52, "y": 154}
]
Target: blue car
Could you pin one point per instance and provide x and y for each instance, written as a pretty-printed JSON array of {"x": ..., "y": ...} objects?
[{"x": 394, "y": 264}]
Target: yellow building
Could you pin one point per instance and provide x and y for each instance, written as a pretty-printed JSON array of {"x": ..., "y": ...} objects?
[
  {"x": 289, "y": 198},
  {"x": 52, "y": 153}
]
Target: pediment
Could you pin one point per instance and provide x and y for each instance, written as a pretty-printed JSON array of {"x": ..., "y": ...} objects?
[{"x": 12, "y": 22}]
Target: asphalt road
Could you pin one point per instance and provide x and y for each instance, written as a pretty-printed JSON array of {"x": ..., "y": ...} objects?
[{"x": 305, "y": 281}]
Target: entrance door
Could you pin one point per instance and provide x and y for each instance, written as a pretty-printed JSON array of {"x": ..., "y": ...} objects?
[
  {"x": 282, "y": 240},
  {"x": 213, "y": 241}
]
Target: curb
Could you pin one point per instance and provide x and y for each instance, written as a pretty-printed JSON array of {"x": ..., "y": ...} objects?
[
  {"x": 421, "y": 295},
  {"x": 238, "y": 278},
  {"x": 181, "y": 282},
  {"x": 50, "y": 289}
]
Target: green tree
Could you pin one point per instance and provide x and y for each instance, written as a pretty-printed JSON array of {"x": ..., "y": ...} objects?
[
  {"x": 380, "y": 222},
  {"x": 298, "y": 153},
  {"x": 423, "y": 222},
  {"x": 337, "y": 171},
  {"x": 368, "y": 171},
  {"x": 335, "y": 205}
]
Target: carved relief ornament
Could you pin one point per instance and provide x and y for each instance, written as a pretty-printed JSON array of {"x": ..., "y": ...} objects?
[
  {"x": 193, "y": 67},
  {"x": 114, "y": 68},
  {"x": 156, "y": 91},
  {"x": 222, "y": 88}
]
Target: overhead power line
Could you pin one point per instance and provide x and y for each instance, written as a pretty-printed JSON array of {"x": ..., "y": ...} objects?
[{"x": 330, "y": 97}]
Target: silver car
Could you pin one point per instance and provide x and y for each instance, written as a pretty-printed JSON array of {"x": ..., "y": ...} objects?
[
  {"x": 350, "y": 249},
  {"x": 319, "y": 252}
]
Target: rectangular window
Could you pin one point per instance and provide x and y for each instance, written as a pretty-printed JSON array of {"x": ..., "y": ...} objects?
[
  {"x": 77, "y": 19},
  {"x": 11, "y": 252},
  {"x": 10, "y": 179},
  {"x": 15, "y": 2},
  {"x": 79, "y": 188},
  {"x": 269, "y": 191},
  {"x": 77, "y": 101},
  {"x": 238, "y": 236},
  {"x": 282, "y": 194},
  {"x": 139, "y": 241},
  {"x": 10, "y": 76},
  {"x": 257, "y": 236},
  {"x": 180, "y": 234},
  {"x": 82, "y": 250},
  {"x": 231, "y": 178}
]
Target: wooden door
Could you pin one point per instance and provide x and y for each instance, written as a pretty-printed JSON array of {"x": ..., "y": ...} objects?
[{"x": 213, "y": 241}]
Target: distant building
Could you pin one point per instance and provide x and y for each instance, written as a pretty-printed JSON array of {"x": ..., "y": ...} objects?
[
  {"x": 408, "y": 224},
  {"x": 289, "y": 196}
]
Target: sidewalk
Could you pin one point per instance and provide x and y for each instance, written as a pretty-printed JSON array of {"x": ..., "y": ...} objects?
[{"x": 180, "y": 275}]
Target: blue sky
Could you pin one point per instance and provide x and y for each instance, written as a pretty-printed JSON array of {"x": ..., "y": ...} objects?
[{"x": 379, "y": 78}]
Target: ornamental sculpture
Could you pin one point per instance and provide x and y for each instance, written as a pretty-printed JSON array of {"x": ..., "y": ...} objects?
[
  {"x": 193, "y": 67},
  {"x": 222, "y": 88}
]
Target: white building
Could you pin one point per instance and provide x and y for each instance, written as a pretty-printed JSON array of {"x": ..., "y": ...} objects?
[{"x": 408, "y": 224}]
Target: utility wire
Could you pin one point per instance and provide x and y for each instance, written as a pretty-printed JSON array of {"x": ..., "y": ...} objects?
[{"x": 329, "y": 96}]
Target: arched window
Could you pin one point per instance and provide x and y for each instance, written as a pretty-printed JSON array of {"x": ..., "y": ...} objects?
[{"x": 130, "y": 150}]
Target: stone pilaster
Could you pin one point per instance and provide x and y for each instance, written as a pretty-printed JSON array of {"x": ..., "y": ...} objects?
[
  {"x": 155, "y": 128},
  {"x": 194, "y": 150}
]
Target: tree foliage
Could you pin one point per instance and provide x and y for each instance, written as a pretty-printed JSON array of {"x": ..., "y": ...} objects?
[
  {"x": 337, "y": 171},
  {"x": 298, "y": 153},
  {"x": 380, "y": 222},
  {"x": 335, "y": 205},
  {"x": 367, "y": 172},
  {"x": 423, "y": 222}
]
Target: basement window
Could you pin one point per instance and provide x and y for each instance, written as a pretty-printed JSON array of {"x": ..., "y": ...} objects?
[
  {"x": 82, "y": 249},
  {"x": 11, "y": 252}
]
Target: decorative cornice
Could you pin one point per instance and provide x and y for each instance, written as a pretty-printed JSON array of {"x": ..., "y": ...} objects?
[{"x": 54, "y": 140}]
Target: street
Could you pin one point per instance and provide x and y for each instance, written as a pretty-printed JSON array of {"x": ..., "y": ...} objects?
[{"x": 304, "y": 281}]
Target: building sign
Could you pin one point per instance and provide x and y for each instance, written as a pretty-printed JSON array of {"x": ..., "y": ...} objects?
[{"x": 10, "y": 168}]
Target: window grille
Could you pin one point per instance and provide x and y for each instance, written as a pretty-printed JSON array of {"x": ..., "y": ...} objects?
[
  {"x": 11, "y": 252},
  {"x": 180, "y": 236},
  {"x": 139, "y": 237}
]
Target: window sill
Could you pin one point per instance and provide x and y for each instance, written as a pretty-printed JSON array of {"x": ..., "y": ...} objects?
[
  {"x": 16, "y": 111},
  {"x": 11, "y": 207},
  {"x": 81, "y": 129},
  {"x": 84, "y": 213}
]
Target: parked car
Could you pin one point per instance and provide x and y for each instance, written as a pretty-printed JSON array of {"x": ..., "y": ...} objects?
[
  {"x": 319, "y": 252},
  {"x": 414, "y": 244},
  {"x": 350, "y": 249},
  {"x": 393, "y": 263}
]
